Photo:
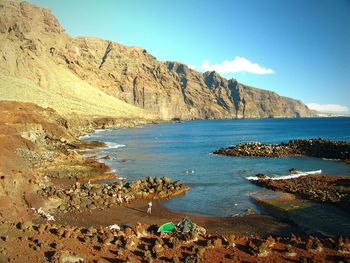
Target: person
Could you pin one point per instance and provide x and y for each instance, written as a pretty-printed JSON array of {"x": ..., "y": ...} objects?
[
  {"x": 149, "y": 208},
  {"x": 119, "y": 198},
  {"x": 126, "y": 199}
]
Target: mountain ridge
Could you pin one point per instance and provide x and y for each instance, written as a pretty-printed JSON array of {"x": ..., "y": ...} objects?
[{"x": 32, "y": 38}]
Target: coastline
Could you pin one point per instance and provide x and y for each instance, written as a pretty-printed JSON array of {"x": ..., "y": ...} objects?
[
  {"x": 31, "y": 237},
  {"x": 219, "y": 225},
  {"x": 254, "y": 224},
  {"x": 135, "y": 212}
]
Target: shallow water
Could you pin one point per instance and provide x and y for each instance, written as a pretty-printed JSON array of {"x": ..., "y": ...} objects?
[{"x": 218, "y": 183}]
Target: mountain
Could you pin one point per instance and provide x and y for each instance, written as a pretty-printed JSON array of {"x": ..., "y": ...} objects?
[
  {"x": 29, "y": 73},
  {"x": 41, "y": 63}
]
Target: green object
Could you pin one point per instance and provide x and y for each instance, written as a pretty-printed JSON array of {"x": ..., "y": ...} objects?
[{"x": 167, "y": 228}]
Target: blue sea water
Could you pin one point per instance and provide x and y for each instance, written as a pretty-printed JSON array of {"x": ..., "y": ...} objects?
[{"x": 218, "y": 183}]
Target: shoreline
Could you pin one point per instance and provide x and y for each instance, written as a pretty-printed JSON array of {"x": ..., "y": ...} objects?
[
  {"x": 232, "y": 225},
  {"x": 238, "y": 225},
  {"x": 224, "y": 224},
  {"x": 318, "y": 148},
  {"x": 135, "y": 212},
  {"x": 28, "y": 236}
]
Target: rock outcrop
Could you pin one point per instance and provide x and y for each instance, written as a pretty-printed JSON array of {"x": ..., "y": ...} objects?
[
  {"x": 91, "y": 196},
  {"x": 35, "y": 144},
  {"x": 320, "y": 148},
  {"x": 38, "y": 57},
  {"x": 55, "y": 242},
  {"x": 327, "y": 189}
]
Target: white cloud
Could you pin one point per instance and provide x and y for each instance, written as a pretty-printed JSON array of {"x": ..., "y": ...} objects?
[
  {"x": 191, "y": 66},
  {"x": 238, "y": 64},
  {"x": 327, "y": 107}
]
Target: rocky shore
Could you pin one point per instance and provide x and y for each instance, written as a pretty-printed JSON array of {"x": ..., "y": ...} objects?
[
  {"x": 49, "y": 242},
  {"x": 44, "y": 188},
  {"x": 38, "y": 145},
  {"x": 326, "y": 189},
  {"x": 320, "y": 148},
  {"x": 89, "y": 196},
  {"x": 52, "y": 209}
]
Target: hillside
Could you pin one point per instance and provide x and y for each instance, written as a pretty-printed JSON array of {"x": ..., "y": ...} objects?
[
  {"x": 28, "y": 73},
  {"x": 40, "y": 63}
]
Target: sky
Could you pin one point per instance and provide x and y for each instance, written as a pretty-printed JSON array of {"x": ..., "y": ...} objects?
[{"x": 297, "y": 48}]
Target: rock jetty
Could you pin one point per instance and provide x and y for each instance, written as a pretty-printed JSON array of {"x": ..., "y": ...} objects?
[
  {"x": 320, "y": 148},
  {"x": 89, "y": 196},
  {"x": 326, "y": 189}
]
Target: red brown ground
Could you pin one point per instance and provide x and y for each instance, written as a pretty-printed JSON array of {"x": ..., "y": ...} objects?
[
  {"x": 37, "y": 142},
  {"x": 49, "y": 242},
  {"x": 130, "y": 214}
]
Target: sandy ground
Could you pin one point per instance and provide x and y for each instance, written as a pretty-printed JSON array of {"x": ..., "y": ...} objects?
[{"x": 130, "y": 214}]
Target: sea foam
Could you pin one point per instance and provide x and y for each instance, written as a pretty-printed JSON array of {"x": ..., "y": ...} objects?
[
  {"x": 99, "y": 130},
  {"x": 113, "y": 145},
  {"x": 85, "y": 136},
  {"x": 285, "y": 177}
]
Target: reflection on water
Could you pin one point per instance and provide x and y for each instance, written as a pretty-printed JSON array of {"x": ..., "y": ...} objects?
[{"x": 218, "y": 183}]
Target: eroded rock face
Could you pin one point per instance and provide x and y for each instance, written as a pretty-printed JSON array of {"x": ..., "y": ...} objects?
[
  {"x": 33, "y": 39},
  {"x": 171, "y": 89}
]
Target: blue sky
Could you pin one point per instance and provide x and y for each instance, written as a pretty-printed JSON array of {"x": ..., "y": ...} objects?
[{"x": 301, "y": 48}]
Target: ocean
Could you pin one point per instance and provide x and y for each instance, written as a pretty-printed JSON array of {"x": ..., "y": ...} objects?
[{"x": 218, "y": 184}]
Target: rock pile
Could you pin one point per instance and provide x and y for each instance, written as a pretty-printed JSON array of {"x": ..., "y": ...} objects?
[
  {"x": 343, "y": 245},
  {"x": 320, "y": 148},
  {"x": 92, "y": 196},
  {"x": 256, "y": 149},
  {"x": 310, "y": 187},
  {"x": 328, "y": 189},
  {"x": 66, "y": 243}
]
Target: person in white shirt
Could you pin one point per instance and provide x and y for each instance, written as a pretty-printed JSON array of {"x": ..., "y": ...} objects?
[{"x": 149, "y": 208}]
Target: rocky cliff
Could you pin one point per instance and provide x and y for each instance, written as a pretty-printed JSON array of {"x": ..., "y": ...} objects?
[{"x": 35, "y": 48}]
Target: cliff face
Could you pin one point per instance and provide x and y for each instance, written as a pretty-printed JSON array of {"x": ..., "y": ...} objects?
[
  {"x": 172, "y": 89},
  {"x": 33, "y": 66},
  {"x": 31, "y": 36}
]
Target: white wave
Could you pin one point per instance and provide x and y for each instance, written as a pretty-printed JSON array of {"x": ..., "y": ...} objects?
[
  {"x": 113, "y": 145},
  {"x": 326, "y": 159},
  {"x": 121, "y": 178},
  {"x": 285, "y": 177},
  {"x": 117, "y": 177},
  {"x": 84, "y": 136},
  {"x": 99, "y": 130}
]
